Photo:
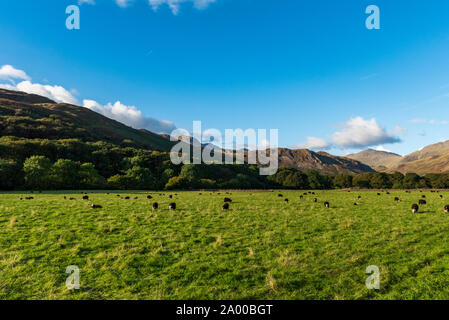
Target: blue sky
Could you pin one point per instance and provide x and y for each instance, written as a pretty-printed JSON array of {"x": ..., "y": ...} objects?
[{"x": 308, "y": 68}]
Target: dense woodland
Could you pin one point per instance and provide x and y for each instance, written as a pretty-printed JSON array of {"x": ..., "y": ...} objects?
[{"x": 39, "y": 164}]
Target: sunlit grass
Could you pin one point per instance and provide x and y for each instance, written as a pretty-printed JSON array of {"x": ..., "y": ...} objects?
[{"x": 262, "y": 248}]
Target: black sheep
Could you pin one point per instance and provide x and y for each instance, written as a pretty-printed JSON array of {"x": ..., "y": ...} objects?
[
  {"x": 172, "y": 206},
  {"x": 415, "y": 208},
  {"x": 96, "y": 206},
  {"x": 315, "y": 200},
  {"x": 155, "y": 206},
  {"x": 286, "y": 200},
  {"x": 225, "y": 206},
  {"x": 149, "y": 197},
  {"x": 326, "y": 204},
  {"x": 227, "y": 200},
  {"x": 422, "y": 202}
]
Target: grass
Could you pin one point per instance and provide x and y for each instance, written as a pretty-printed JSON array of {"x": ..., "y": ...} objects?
[{"x": 262, "y": 248}]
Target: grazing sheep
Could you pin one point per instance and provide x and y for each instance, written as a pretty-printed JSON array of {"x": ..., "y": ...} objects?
[
  {"x": 65, "y": 197},
  {"x": 85, "y": 197},
  {"x": 29, "y": 198},
  {"x": 286, "y": 200},
  {"x": 280, "y": 195},
  {"x": 136, "y": 198},
  {"x": 172, "y": 206},
  {"x": 441, "y": 196},
  {"x": 359, "y": 197},
  {"x": 149, "y": 197},
  {"x": 72, "y": 199},
  {"x": 126, "y": 198},
  {"x": 422, "y": 202},
  {"x": 388, "y": 192},
  {"x": 170, "y": 196},
  {"x": 301, "y": 197},
  {"x": 227, "y": 200},
  {"x": 225, "y": 206},
  {"x": 315, "y": 200},
  {"x": 326, "y": 204},
  {"x": 356, "y": 204},
  {"x": 423, "y": 196},
  {"x": 378, "y": 194},
  {"x": 415, "y": 208},
  {"x": 446, "y": 209},
  {"x": 155, "y": 206},
  {"x": 397, "y": 199},
  {"x": 96, "y": 206}
]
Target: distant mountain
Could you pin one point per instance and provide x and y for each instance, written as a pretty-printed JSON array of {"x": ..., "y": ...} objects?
[
  {"x": 321, "y": 161},
  {"x": 431, "y": 159},
  {"x": 378, "y": 160},
  {"x": 31, "y": 116}
]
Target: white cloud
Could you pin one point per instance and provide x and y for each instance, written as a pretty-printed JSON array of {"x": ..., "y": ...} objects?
[
  {"x": 81, "y": 2},
  {"x": 9, "y": 73},
  {"x": 313, "y": 143},
  {"x": 431, "y": 122},
  {"x": 361, "y": 133},
  {"x": 55, "y": 93},
  {"x": 122, "y": 3},
  {"x": 381, "y": 148},
  {"x": 128, "y": 115},
  {"x": 174, "y": 4},
  {"x": 131, "y": 116}
]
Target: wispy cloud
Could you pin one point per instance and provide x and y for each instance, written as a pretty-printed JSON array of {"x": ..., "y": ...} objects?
[
  {"x": 429, "y": 122},
  {"x": 175, "y": 4},
  {"x": 312, "y": 143}
]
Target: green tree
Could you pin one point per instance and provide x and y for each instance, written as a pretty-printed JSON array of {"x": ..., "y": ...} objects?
[
  {"x": 411, "y": 181},
  {"x": 11, "y": 175},
  {"x": 64, "y": 174},
  {"x": 296, "y": 180},
  {"x": 89, "y": 178},
  {"x": 343, "y": 181},
  {"x": 177, "y": 183},
  {"x": 380, "y": 180},
  {"x": 362, "y": 181},
  {"x": 37, "y": 172}
]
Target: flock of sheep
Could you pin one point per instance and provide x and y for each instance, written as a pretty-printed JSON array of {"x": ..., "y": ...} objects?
[{"x": 227, "y": 201}]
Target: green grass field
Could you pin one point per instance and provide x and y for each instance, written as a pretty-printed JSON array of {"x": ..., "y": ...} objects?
[{"x": 262, "y": 248}]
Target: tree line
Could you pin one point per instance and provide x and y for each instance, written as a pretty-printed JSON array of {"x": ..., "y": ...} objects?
[{"x": 39, "y": 164}]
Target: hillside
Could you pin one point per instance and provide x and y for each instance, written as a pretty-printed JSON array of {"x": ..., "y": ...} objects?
[
  {"x": 31, "y": 116},
  {"x": 431, "y": 159},
  {"x": 378, "y": 160},
  {"x": 321, "y": 161}
]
